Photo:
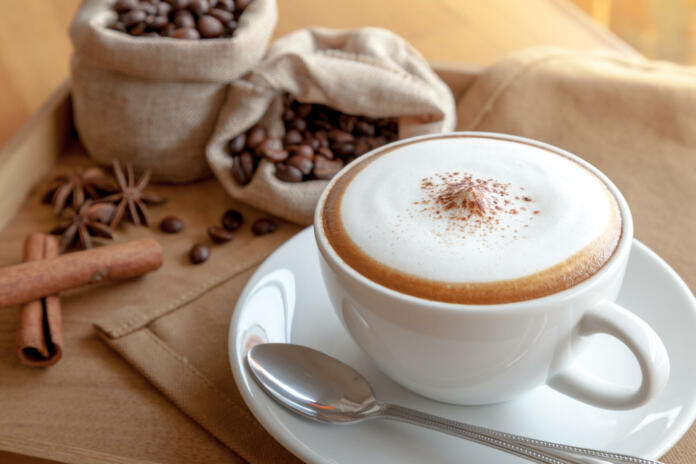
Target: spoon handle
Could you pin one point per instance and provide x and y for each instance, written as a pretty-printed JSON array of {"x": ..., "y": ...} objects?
[{"x": 538, "y": 451}]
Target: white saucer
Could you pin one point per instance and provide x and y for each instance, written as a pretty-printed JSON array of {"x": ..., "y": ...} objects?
[{"x": 285, "y": 301}]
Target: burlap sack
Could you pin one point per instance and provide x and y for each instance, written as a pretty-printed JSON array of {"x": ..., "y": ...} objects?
[
  {"x": 154, "y": 101},
  {"x": 370, "y": 72}
]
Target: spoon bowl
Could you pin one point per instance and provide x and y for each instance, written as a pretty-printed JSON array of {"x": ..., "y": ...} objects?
[{"x": 327, "y": 390}]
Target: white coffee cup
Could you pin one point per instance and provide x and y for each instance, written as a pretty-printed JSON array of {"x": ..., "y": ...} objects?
[{"x": 479, "y": 354}]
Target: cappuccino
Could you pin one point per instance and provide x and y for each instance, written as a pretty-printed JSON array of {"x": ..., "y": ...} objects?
[{"x": 471, "y": 219}]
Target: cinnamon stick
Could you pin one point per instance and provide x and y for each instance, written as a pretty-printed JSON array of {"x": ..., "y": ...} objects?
[
  {"x": 33, "y": 280},
  {"x": 40, "y": 328}
]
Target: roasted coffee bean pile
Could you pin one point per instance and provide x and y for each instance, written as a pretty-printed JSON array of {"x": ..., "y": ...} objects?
[
  {"x": 179, "y": 19},
  {"x": 318, "y": 142}
]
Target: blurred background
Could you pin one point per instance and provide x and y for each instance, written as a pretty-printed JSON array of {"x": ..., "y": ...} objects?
[
  {"x": 35, "y": 48},
  {"x": 659, "y": 29}
]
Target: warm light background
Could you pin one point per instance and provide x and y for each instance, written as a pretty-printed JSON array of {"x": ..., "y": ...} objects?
[
  {"x": 34, "y": 46},
  {"x": 660, "y": 29}
]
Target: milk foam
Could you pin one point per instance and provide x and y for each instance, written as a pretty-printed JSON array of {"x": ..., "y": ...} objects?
[{"x": 554, "y": 209}]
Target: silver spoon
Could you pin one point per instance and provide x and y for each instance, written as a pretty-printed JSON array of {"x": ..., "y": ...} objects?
[{"x": 325, "y": 389}]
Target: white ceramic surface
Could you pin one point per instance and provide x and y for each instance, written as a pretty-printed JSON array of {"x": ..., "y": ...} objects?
[
  {"x": 482, "y": 354},
  {"x": 285, "y": 301}
]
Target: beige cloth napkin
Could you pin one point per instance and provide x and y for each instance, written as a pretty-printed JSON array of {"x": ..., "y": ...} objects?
[{"x": 633, "y": 119}]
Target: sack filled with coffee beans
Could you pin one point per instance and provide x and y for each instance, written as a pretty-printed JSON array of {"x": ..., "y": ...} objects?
[
  {"x": 149, "y": 76},
  {"x": 319, "y": 99}
]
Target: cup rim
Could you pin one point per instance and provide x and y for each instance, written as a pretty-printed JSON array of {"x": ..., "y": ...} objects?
[{"x": 621, "y": 251}]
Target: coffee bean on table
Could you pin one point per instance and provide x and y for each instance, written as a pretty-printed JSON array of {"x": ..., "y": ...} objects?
[
  {"x": 171, "y": 225},
  {"x": 232, "y": 219},
  {"x": 288, "y": 173},
  {"x": 209, "y": 27},
  {"x": 199, "y": 253},
  {"x": 220, "y": 234},
  {"x": 263, "y": 227},
  {"x": 238, "y": 143}
]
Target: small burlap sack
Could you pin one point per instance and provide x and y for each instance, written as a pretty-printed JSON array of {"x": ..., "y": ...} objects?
[
  {"x": 369, "y": 72},
  {"x": 154, "y": 101}
]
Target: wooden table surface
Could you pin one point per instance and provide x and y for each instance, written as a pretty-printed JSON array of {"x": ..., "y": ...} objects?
[{"x": 35, "y": 49}]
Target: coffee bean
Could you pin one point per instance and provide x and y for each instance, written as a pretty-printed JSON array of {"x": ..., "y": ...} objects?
[
  {"x": 325, "y": 152},
  {"x": 231, "y": 26},
  {"x": 340, "y": 136},
  {"x": 322, "y": 137},
  {"x": 361, "y": 146},
  {"x": 292, "y": 137},
  {"x": 241, "y": 4},
  {"x": 221, "y": 15},
  {"x": 185, "y": 33},
  {"x": 184, "y": 18},
  {"x": 276, "y": 155},
  {"x": 344, "y": 149},
  {"x": 232, "y": 219},
  {"x": 268, "y": 144},
  {"x": 263, "y": 227},
  {"x": 163, "y": 9},
  {"x": 288, "y": 114},
  {"x": 305, "y": 151},
  {"x": 148, "y": 8},
  {"x": 237, "y": 144},
  {"x": 303, "y": 110},
  {"x": 365, "y": 128},
  {"x": 157, "y": 22},
  {"x": 255, "y": 136},
  {"x": 305, "y": 165},
  {"x": 179, "y": 4},
  {"x": 225, "y": 5},
  {"x": 238, "y": 173},
  {"x": 138, "y": 29},
  {"x": 298, "y": 124},
  {"x": 199, "y": 253},
  {"x": 326, "y": 169},
  {"x": 134, "y": 17},
  {"x": 209, "y": 26},
  {"x": 199, "y": 7},
  {"x": 125, "y": 5},
  {"x": 118, "y": 26},
  {"x": 346, "y": 122},
  {"x": 248, "y": 164},
  {"x": 171, "y": 225},
  {"x": 219, "y": 234},
  {"x": 288, "y": 173}
]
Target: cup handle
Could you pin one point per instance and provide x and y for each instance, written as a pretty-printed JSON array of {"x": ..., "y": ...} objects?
[{"x": 640, "y": 338}]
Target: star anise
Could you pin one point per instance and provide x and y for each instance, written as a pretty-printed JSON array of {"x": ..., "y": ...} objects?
[
  {"x": 132, "y": 196},
  {"x": 78, "y": 227},
  {"x": 74, "y": 188}
]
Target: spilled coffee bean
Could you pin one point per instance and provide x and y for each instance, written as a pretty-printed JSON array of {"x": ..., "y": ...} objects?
[
  {"x": 219, "y": 234},
  {"x": 199, "y": 253},
  {"x": 171, "y": 225},
  {"x": 318, "y": 142},
  {"x": 263, "y": 227},
  {"x": 232, "y": 220}
]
